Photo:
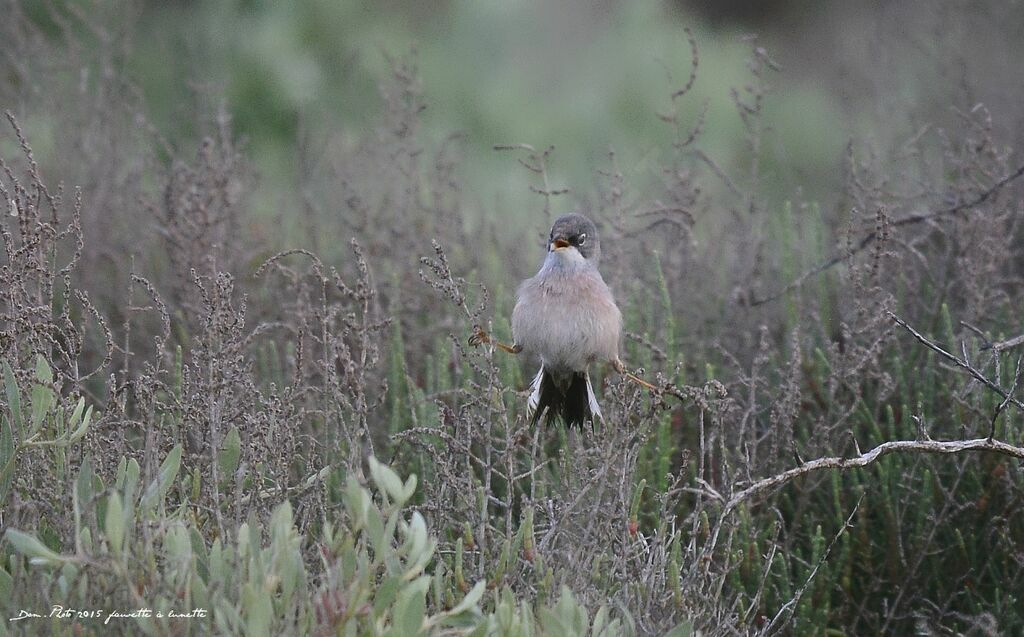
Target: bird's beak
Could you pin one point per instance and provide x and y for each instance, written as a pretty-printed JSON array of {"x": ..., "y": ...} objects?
[{"x": 559, "y": 244}]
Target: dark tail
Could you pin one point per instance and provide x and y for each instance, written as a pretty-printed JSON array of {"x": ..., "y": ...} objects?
[{"x": 570, "y": 397}]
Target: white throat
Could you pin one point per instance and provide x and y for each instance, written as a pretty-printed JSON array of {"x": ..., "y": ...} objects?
[{"x": 565, "y": 259}]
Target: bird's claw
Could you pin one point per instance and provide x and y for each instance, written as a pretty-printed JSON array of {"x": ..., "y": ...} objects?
[
  {"x": 620, "y": 367},
  {"x": 479, "y": 336}
]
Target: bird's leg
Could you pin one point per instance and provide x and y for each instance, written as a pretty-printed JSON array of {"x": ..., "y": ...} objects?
[
  {"x": 620, "y": 367},
  {"x": 480, "y": 336}
]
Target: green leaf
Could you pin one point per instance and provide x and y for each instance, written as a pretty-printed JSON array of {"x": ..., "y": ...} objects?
[
  {"x": 202, "y": 555},
  {"x": 376, "y": 531},
  {"x": 357, "y": 501},
  {"x": 600, "y": 622},
  {"x": 281, "y": 521},
  {"x": 470, "y": 600},
  {"x": 258, "y": 607},
  {"x": 243, "y": 540},
  {"x": 130, "y": 486},
  {"x": 684, "y": 629},
  {"x": 6, "y": 584},
  {"x": 387, "y": 480},
  {"x": 551, "y": 624},
  {"x": 114, "y": 523},
  {"x": 43, "y": 371},
  {"x": 7, "y": 457},
  {"x": 86, "y": 539},
  {"x": 83, "y": 486},
  {"x": 416, "y": 534},
  {"x": 122, "y": 468},
  {"x": 80, "y": 432},
  {"x": 409, "y": 489},
  {"x": 230, "y": 453},
  {"x": 218, "y": 568},
  {"x": 158, "y": 488},
  {"x": 386, "y": 594},
  {"x": 410, "y": 610},
  {"x": 43, "y": 397},
  {"x": 68, "y": 574},
  {"x": 13, "y": 398},
  {"x": 32, "y": 548},
  {"x": 77, "y": 413}
]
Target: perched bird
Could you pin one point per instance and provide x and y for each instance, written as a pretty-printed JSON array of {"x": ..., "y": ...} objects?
[{"x": 567, "y": 316}]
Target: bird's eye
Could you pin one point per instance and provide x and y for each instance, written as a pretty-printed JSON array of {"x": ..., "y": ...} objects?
[{"x": 583, "y": 238}]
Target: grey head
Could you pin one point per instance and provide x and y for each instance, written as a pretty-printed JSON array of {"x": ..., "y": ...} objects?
[{"x": 574, "y": 231}]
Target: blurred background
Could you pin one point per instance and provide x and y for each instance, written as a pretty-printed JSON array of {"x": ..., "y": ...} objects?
[{"x": 585, "y": 77}]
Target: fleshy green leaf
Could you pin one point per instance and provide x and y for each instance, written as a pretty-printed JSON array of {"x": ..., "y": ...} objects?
[
  {"x": 230, "y": 453},
  {"x": 83, "y": 427},
  {"x": 470, "y": 600},
  {"x": 410, "y": 610},
  {"x": 13, "y": 398},
  {"x": 7, "y": 457},
  {"x": 387, "y": 480},
  {"x": 684, "y": 629},
  {"x": 158, "y": 488},
  {"x": 259, "y": 607},
  {"x": 31, "y": 547},
  {"x": 43, "y": 397},
  {"x": 6, "y": 584},
  {"x": 114, "y": 523},
  {"x": 385, "y": 595}
]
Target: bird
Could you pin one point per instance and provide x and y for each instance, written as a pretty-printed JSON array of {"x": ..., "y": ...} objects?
[{"x": 567, "y": 316}]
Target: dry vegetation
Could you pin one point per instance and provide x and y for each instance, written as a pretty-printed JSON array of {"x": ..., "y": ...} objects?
[{"x": 835, "y": 447}]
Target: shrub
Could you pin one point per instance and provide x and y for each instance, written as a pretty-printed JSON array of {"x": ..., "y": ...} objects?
[{"x": 206, "y": 439}]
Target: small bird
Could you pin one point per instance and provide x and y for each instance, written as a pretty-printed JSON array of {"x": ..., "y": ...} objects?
[{"x": 567, "y": 316}]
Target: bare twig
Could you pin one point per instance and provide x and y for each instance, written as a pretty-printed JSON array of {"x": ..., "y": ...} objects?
[
  {"x": 1006, "y": 401},
  {"x": 910, "y": 219},
  {"x": 960, "y": 362},
  {"x": 791, "y": 604},
  {"x": 986, "y": 342},
  {"x": 869, "y": 457},
  {"x": 1002, "y": 346},
  {"x": 537, "y": 163}
]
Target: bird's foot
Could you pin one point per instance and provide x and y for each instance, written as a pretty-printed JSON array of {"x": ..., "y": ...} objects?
[
  {"x": 480, "y": 337},
  {"x": 620, "y": 367}
]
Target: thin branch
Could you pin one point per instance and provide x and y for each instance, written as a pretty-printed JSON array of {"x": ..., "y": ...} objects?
[
  {"x": 1002, "y": 346},
  {"x": 959, "y": 362},
  {"x": 1006, "y": 401},
  {"x": 869, "y": 238},
  {"x": 986, "y": 342},
  {"x": 792, "y": 603},
  {"x": 871, "y": 456}
]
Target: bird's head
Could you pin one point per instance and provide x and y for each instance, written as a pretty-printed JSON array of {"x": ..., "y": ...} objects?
[{"x": 572, "y": 235}]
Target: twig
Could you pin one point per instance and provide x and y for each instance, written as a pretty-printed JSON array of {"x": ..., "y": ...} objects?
[
  {"x": 1006, "y": 401},
  {"x": 959, "y": 362},
  {"x": 828, "y": 550},
  {"x": 893, "y": 446},
  {"x": 869, "y": 238},
  {"x": 1002, "y": 346},
  {"x": 986, "y": 342}
]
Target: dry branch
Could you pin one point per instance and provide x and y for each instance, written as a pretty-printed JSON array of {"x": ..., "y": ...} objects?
[
  {"x": 1002, "y": 346},
  {"x": 961, "y": 363},
  {"x": 871, "y": 456},
  {"x": 870, "y": 238},
  {"x": 791, "y": 604}
]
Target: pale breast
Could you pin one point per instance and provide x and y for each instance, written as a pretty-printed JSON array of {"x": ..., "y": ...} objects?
[{"x": 568, "y": 318}]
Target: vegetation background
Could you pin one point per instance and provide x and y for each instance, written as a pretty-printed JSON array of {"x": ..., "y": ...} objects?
[{"x": 245, "y": 242}]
